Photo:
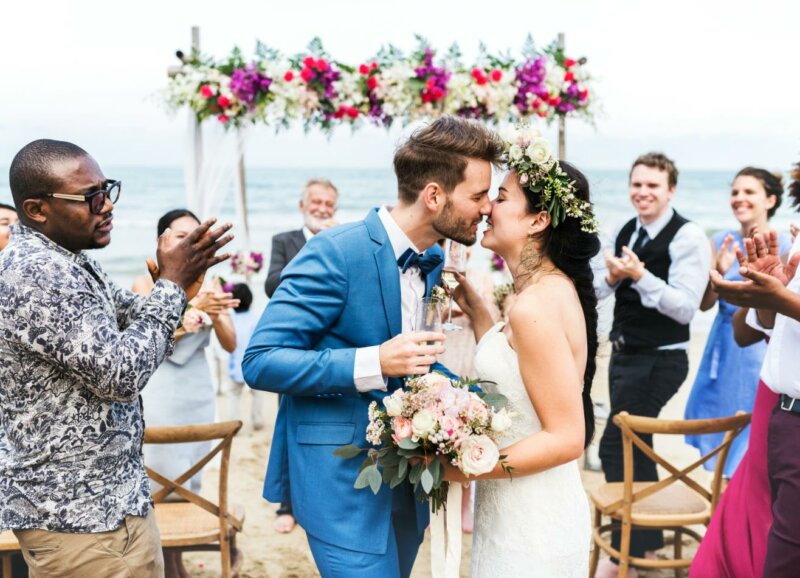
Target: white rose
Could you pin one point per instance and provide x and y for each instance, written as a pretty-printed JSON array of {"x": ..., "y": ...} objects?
[
  {"x": 479, "y": 455},
  {"x": 539, "y": 151},
  {"x": 435, "y": 379},
  {"x": 423, "y": 423},
  {"x": 394, "y": 405},
  {"x": 501, "y": 421},
  {"x": 515, "y": 152}
]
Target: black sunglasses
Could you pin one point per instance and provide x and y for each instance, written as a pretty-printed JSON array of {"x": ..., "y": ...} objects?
[{"x": 96, "y": 199}]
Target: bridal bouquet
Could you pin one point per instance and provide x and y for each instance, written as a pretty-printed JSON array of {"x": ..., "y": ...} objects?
[
  {"x": 247, "y": 263},
  {"x": 432, "y": 417}
]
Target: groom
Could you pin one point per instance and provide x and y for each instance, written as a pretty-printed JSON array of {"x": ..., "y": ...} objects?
[{"x": 337, "y": 336}]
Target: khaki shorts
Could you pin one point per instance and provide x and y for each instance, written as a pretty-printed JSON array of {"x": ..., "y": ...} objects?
[{"x": 131, "y": 551}]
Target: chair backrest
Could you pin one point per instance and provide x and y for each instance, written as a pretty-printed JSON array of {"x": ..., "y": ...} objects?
[
  {"x": 223, "y": 431},
  {"x": 631, "y": 425}
]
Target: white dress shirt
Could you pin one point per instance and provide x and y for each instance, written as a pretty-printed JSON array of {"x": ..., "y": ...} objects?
[
  {"x": 690, "y": 260},
  {"x": 781, "y": 369},
  {"x": 367, "y": 373},
  {"x": 307, "y": 233}
]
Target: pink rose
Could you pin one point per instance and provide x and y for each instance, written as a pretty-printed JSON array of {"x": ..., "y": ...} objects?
[
  {"x": 479, "y": 455},
  {"x": 195, "y": 319},
  {"x": 449, "y": 424},
  {"x": 477, "y": 408},
  {"x": 401, "y": 429}
]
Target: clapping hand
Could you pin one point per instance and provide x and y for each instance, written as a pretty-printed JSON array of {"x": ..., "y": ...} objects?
[
  {"x": 628, "y": 266},
  {"x": 726, "y": 256},
  {"x": 214, "y": 302},
  {"x": 765, "y": 275}
]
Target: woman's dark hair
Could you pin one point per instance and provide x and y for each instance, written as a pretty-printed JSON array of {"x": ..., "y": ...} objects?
[
  {"x": 794, "y": 186},
  {"x": 571, "y": 250},
  {"x": 242, "y": 292},
  {"x": 169, "y": 217},
  {"x": 772, "y": 183},
  {"x": 8, "y": 207}
]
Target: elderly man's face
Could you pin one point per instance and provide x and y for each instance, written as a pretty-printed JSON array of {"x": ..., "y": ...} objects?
[
  {"x": 7, "y": 218},
  {"x": 69, "y": 223},
  {"x": 318, "y": 207}
]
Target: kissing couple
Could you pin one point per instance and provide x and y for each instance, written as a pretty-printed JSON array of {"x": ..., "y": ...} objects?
[{"x": 337, "y": 335}]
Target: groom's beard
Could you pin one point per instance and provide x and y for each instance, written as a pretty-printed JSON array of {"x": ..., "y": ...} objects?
[{"x": 450, "y": 226}]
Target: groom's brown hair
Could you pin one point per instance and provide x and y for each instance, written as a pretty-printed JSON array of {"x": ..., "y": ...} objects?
[{"x": 439, "y": 153}]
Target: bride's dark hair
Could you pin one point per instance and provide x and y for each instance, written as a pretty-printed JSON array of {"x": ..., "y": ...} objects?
[{"x": 571, "y": 250}]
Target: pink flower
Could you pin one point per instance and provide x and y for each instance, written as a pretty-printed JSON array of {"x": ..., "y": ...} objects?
[
  {"x": 497, "y": 75},
  {"x": 206, "y": 91},
  {"x": 223, "y": 101},
  {"x": 363, "y": 69},
  {"x": 195, "y": 319},
  {"x": 289, "y": 76},
  {"x": 449, "y": 424},
  {"x": 477, "y": 408},
  {"x": 223, "y": 118},
  {"x": 401, "y": 429},
  {"x": 479, "y": 455}
]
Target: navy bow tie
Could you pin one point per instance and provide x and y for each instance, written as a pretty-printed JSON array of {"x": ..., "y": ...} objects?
[{"x": 426, "y": 262}]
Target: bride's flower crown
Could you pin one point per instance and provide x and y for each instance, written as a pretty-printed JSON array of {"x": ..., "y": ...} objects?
[{"x": 530, "y": 156}]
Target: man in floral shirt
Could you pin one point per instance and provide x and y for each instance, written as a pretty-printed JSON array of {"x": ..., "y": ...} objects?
[{"x": 75, "y": 352}]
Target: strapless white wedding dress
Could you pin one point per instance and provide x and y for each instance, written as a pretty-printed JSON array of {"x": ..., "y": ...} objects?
[{"x": 535, "y": 526}]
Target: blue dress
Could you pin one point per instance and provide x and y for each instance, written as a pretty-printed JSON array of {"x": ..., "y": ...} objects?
[{"x": 727, "y": 378}]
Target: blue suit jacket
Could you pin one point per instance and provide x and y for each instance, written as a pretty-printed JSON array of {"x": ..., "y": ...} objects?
[{"x": 341, "y": 292}]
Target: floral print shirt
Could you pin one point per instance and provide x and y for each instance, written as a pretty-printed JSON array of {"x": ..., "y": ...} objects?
[{"x": 75, "y": 352}]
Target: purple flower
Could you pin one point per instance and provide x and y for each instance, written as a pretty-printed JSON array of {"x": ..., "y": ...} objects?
[{"x": 248, "y": 83}]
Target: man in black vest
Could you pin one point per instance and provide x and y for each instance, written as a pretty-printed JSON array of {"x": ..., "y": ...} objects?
[
  {"x": 658, "y": 272},
  {"x": 318, "y": 206}
]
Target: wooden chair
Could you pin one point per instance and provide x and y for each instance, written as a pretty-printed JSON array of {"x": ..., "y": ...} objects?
[
  {"x": 665, "y": 504},
  {"x": 197, "y": 524},
  {"x": 8, "y": 547}
]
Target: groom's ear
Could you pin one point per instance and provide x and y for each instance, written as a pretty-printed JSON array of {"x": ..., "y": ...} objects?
[{"x": 432, "y": 196}]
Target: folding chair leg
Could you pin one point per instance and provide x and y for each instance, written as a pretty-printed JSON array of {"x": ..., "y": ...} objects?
[
  {"x": 598, "y": 517},
  {"x": 678, "y": 551},
  {"x": 225, "y": 554},
  {"x": 625, "y": 550}
]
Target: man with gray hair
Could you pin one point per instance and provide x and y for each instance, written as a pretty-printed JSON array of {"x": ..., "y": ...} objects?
[{"x": 318, "y": 206}]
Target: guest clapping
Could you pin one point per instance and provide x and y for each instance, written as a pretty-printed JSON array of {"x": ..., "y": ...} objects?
[
  {"x": 76, "y": 352},
  {"x": 727, "y": 379}
]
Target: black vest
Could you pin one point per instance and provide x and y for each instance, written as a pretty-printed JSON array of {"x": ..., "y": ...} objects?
[{"x": 636, "y": 325}]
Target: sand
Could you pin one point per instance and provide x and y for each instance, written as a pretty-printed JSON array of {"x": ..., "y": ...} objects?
[{"x": 273, "y": 555}]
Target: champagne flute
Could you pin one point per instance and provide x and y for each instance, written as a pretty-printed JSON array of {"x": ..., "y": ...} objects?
[
  {"x": 429, "y": 316},
  {"x": 455, "y": 261}
]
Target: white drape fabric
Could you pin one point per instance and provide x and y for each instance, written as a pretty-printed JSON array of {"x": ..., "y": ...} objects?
[{"x": 446, "y": 536}]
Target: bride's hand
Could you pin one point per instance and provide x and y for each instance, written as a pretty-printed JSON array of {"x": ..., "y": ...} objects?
[
  {"x": 465, "y": 295},
  {"x": 453, "y": 474}
]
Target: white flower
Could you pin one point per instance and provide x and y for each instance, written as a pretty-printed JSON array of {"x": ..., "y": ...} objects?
[
  {"x": 434, "y": 379},
  {"x": 423, "y": 423},
  {"x": 393, "y": 404},
  {"x": 479, "y": 455},
  {"x": 515, "y": 152},
  {"x": 501, "y": 421},
  {"x": 539, "y": 151}
]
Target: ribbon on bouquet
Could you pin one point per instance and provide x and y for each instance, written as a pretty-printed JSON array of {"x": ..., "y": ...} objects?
[{"x": 446, "y": 536}]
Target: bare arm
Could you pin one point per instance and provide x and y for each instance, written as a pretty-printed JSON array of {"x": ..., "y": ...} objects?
[
  {"x": 742, "y": 332},
  {"x": 223, "y": 327}
]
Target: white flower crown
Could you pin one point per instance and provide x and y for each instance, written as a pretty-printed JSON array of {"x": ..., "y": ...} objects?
[{"x": 529, "y": 154}]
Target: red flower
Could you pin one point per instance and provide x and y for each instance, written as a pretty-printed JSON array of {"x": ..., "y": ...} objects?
[
  {"x": 542, "y": 113},
  {"x": 481, "y": 80},
  {"x": 363, "y": 69},
  {"x": 206, "y": 91},
  {"x": 352, "y": 112},
  {"x": 372, "y": 82},
  {"x": 223, "y": 118},
  {"x": 223, "y": 101},
  {"x": 426, "y": 96},
  {"x": 569, "y": 63},
  {"x": 437, "y": 93},
  {"x": 569, "y": 76},
  {"x": 289, "y": 76},
  {"x": 308, "y": 61},
  {"x": 497, "y": 75},
  {"x": 374, "y": 65},
  {"x": 339, "y": 113},
  {"x": 537, "y": 103},
  {"x": 431, "y": 82},
  {"x": 584, "y": 94},
  {"x": 321, "y": 65},
  {"x": 476, "y": 73},
  {"x": 307, "y": 74}
]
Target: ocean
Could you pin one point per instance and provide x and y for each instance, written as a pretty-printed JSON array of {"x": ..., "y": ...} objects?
[{"x": 273, "y": 195}]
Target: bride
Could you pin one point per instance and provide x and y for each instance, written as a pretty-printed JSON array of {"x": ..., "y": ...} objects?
[{"x": 543, "y": 361}]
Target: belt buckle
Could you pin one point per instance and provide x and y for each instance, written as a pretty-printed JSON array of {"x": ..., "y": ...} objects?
[{"x": 790, "y": 406}]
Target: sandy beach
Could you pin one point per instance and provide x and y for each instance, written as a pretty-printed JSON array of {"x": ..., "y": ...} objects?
[{"x": 268, "y": 554}]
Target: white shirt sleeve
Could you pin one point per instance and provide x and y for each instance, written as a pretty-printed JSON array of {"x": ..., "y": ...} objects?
[
  {"x": 601, "y": 287},
  {"x": 753, "y": 321},
  {"x": 367, "y": 374},
  {"x": 690, "y": 256}
]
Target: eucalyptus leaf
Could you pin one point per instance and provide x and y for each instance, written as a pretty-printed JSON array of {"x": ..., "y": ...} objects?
[
  {"x": 437, "y": 471},
  {"x": 402, "y": 467},
  {"x": 495, "y": 400},
  {"x": 407, "y": 444},
  {"x": 427, "y": 481},
  {"x": 347, "y": 452},
  {"x": 388, "y": 474},
  {"x": 416, "y": 472},
  {"x": 375, "y": 480},
  {"x": 396, "y": 481},
  {"x": 364, "y": 478}
]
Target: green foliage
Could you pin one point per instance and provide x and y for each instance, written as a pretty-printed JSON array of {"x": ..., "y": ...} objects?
[{"x": 347, "y": 452}]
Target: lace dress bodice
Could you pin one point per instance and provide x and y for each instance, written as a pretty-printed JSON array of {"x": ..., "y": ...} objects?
[{"x": 529, "y": 526}]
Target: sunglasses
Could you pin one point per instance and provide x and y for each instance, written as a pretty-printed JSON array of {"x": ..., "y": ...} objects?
[{"x": 96, "y": 199}]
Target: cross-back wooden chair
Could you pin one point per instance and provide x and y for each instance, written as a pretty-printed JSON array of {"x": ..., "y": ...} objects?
[
  {"x": 666, "y": 504},
  {"x": 197, "y": 524}
]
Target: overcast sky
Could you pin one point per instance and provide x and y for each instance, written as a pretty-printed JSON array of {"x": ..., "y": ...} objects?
[{"x": 713, "y": 84}]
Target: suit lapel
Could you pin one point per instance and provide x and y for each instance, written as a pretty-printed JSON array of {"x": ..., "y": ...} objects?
[
  {"x": 299, "y": 240},
  {"x": 386, "y": 262}
]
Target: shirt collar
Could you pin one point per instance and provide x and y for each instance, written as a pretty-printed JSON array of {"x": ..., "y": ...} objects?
[
  {"x": 307, "y": 233},
  {"x": 25, "y": 234},
  {"x": 399, "y": 240},
  {"x": 654, "y": 228}
]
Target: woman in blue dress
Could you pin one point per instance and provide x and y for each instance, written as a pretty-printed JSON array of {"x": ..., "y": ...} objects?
[{"x": 727, "y": 379}]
